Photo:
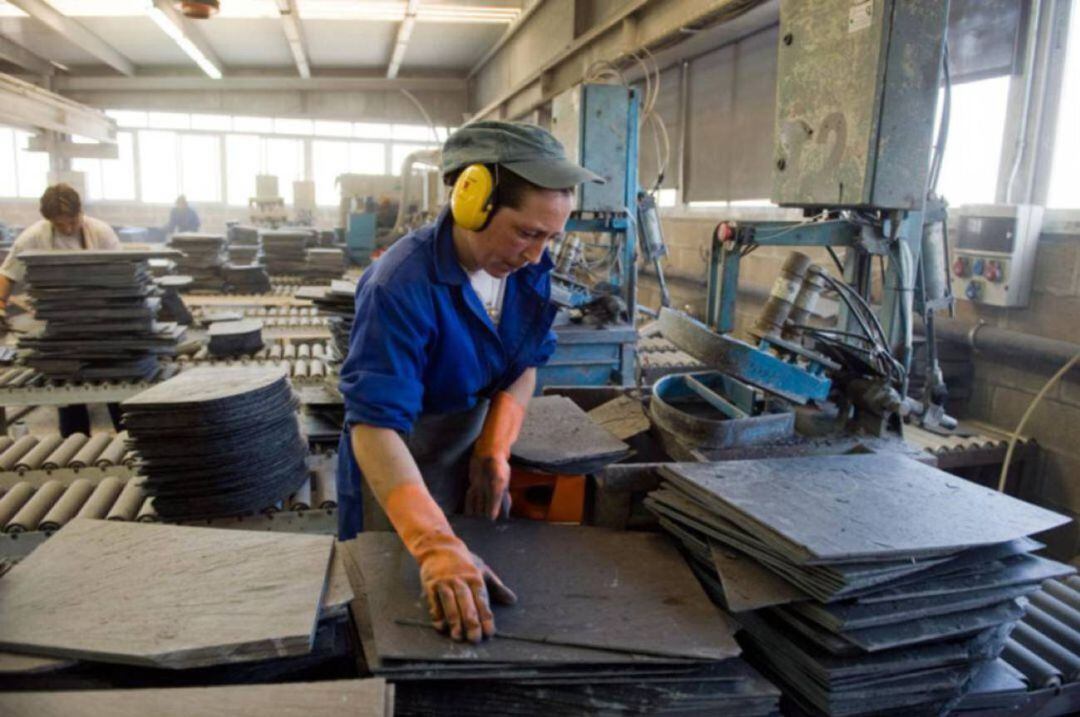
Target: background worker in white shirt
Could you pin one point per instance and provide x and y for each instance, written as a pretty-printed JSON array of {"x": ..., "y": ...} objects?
[{"x": 63, "y": 227}]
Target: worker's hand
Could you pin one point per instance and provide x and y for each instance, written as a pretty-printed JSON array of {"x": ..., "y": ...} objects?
[
  {"x": 489, "y": 487},
  {"x": 459, "y": 586},
  {"x": 489, "y": 467}
]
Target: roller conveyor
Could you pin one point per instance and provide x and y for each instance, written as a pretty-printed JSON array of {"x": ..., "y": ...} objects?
[{"x": 33, "y": 507}]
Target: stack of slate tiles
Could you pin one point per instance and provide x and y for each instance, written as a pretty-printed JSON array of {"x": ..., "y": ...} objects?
[
  {"x": 203, "y": 260},
  {"x": 325, "y": 263},
  {"x": 285, "y": 250},
  {"x": 605, "y": 620},
  {"x": 559, "y": 437},
  {"x": 242, "y": 337},
  {"x": 172, "y": 305},
  {"x": 240, "y": 235},
  {"x": 246, "y": 279},
  {"x": 99, "y": 310},
  {"x": 243, "y": 244},
  {"x": 864, "y": 584},
  {"x": 218, "y": 441},
  {"x": 337, "y": 303}
]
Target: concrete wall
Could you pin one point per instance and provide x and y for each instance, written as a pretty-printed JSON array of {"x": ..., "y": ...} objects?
[{"x": 1002, "y": 390}]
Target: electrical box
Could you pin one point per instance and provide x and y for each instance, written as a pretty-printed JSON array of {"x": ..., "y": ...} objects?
[
  {"x": 595, "y": 123},
  {"x": 994, "y": 253},
  {"x": 857, "y": 88}
]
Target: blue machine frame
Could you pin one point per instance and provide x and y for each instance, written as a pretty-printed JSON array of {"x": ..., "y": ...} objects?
[
  {"x": 605, "y": 356},
  {"x": 905, "y": 227}
]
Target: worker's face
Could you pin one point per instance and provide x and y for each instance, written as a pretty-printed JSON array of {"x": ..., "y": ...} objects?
[
  {"x": 67, "y": 225},
  {"x": 516, "y": 237}
]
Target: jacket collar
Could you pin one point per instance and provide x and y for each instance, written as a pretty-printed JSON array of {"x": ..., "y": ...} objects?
[{"x": 448, "y": 269}]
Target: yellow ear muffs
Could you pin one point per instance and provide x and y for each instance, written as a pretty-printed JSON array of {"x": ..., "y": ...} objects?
[{"x": 473, "y": 200}]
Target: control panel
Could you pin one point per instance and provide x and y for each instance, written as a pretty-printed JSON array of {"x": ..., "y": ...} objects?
[{"x": 994, "y": 253}]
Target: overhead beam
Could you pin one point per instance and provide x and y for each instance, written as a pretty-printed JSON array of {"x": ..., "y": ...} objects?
[
  {"x": 401, "y": 43},
  {"x": 183, "y": 32},
  {"x": 19, "y": 55},
  {"x": 178, "y": 83},
  {"x": 651, "y": 24},
  {"x": 25, "y": 105},
  {"x": 294, "y": 34},
  {"x": 512, "y": 30},
  {"x": 76, "y": 34},
  {"x": 73, "y": 150}
]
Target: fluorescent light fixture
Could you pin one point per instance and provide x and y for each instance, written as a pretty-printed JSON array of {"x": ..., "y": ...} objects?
[
  {"x": 396, "y": 11},
  {"x": 177, "y": 34}
]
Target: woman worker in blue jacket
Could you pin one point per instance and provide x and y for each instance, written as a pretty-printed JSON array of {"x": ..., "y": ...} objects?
[{"x": 450, "y": 326}]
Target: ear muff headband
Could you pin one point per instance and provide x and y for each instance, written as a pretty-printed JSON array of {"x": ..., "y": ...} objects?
[{"x": 472, "y": 201}]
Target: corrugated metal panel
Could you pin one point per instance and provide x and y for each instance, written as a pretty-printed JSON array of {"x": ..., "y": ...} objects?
[
  {"x": 730, "y": 137},
  {"x": 984, "y": 37},
  {"x": 752, "y": 122},
  {"x": 709, "y": 141}
]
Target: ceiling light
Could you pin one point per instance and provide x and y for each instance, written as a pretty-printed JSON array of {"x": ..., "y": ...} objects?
[
  {"x": 198, "y": 9},
  {"x": 177, "y": 34}
]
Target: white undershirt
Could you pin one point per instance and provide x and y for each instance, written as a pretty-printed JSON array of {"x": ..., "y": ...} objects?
[{"x": 490, "y": 290}]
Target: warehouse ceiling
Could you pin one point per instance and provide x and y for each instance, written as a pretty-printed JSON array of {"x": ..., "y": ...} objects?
[{"x": 148, "y": 37}]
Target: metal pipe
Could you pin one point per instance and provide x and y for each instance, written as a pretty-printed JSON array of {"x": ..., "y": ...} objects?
[
  {"x": 997, "y": 342},
  {"x": 1025, "y": 107}
]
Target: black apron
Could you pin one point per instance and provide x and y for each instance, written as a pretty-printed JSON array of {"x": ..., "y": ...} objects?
[{"x": 441, "y": 445}]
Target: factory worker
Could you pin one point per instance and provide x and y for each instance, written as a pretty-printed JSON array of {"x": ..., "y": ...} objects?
[
  {"x": 450, "y": 326},
  {"x": 182, "y": 217},
  {"x": 63, "y": 227}
]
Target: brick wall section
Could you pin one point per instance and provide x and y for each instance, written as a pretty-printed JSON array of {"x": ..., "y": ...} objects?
[{"x": 1002, "y": 391}]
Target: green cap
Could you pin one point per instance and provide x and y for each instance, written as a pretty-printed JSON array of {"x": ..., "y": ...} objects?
[{"x": 525, "y": 149}]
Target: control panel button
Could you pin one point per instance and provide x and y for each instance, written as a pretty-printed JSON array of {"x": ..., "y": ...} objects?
[
  {"x": 977, "y": 267},
  {"x": 992, "y": 271},
  {"x": 973, "y": 290},
  {"x": 960, "y": 266}
]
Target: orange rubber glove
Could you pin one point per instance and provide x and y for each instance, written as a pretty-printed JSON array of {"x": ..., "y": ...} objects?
[
  {"x": 489, "y": 467},
  {"x": 456, "y": 583}
]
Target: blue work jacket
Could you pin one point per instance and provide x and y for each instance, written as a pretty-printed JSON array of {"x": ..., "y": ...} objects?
[{"x": 422, "y": 342}]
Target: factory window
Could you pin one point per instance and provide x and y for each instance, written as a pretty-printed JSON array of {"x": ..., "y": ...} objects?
[
  {"x": 666, "y": 197},
  {"x": 200, "y": 167},
  {"x": 168, "y": 120},
  {"x": 328, "y": 160},
  {"x": 253, "y": 124},
  {"x": 8, "y": 186},
  {"x": 128, "y": 118},
  {"x": 324, "y": 128},
  {"x": 284, "y": 160},
  {"x": 284, "y": 125},
  {"x": 1065, "y": 172},
  {"x": 241, "y": 166},
  {"x": 31, "y": 168},
  {"x": 212, "y": 123},
  {"x": 158, "y": 157},
  {"x": 367, "y": 158},
  {"x": 110, "y": 178},
  {"x": 399, "y": 152},
  {"x": 370, "y": 130},
  {"x": 414, "y": 133},
  {"x": 969, "y": 171}
]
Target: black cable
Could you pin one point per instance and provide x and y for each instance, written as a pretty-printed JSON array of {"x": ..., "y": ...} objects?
[{"x": 835, "y": 258}]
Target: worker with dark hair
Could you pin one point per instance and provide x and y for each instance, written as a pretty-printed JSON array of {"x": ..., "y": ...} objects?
[
  {"x": 64, "y": 226},
  {"x": 450, "y": 326},
  {"x": 182, "y": 217}
]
